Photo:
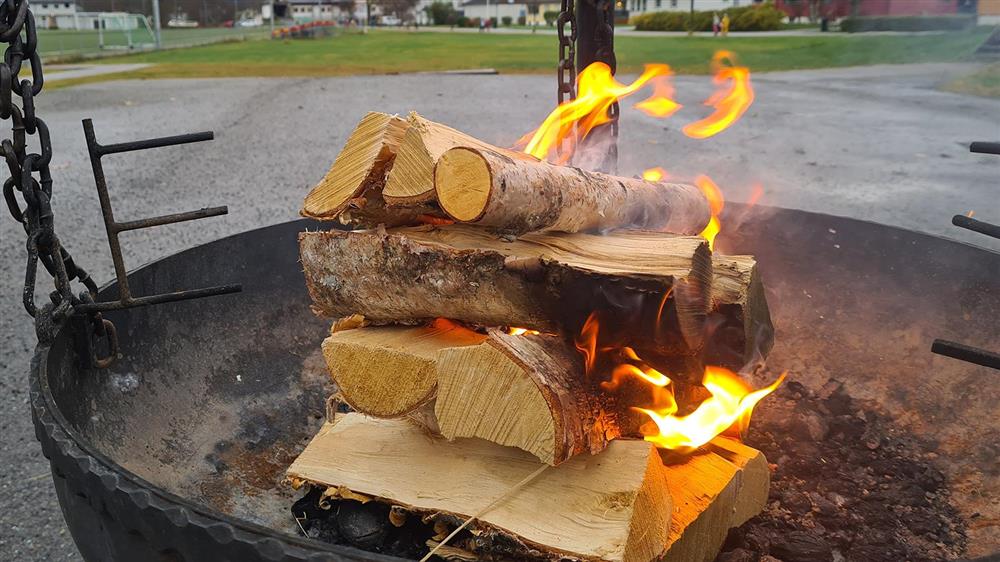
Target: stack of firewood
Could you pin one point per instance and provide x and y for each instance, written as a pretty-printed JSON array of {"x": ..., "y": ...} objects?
[{"x": 467, "y": 304}]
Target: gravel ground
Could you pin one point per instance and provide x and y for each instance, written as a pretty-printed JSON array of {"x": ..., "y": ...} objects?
[{"x": 877, "y": 143}]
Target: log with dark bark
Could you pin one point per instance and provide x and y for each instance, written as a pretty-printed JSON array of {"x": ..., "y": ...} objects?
[
  {"x": 488, "y": 187},
  {"x": 550, "y": 282},
  {"x": 525, "y": 391},
  {"x": 740, "y": 322}
]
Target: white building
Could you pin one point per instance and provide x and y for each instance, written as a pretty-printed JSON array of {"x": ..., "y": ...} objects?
[
  {"x": 303, "y": 11},
  {"x": 636, "y": 7},
  {"x": 66, "y": 15},
  {"x": 533, "y": 11}
]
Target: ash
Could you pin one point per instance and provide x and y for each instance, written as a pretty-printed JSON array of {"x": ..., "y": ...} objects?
[{"x": 845, "y": 486}]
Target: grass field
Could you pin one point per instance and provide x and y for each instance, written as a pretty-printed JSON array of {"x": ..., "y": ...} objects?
[{"x": 395, "y": 52}]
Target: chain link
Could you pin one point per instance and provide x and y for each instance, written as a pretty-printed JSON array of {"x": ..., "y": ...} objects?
[
  {"x": 17, "y": 30},
  {"x": 606, "y": 53},
  {"x": 567, "y": 52}
]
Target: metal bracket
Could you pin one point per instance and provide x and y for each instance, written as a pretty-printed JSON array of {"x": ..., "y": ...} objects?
[
  {"x": 114, "y": 228},
  {"x": 956, "y": 350}
]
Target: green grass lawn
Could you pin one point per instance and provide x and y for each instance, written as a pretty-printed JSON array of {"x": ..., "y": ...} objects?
[{"x": 396, "y": 52}]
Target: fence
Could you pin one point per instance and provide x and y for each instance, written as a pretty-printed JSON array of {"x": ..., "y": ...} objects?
[{"x": 67, "y": 43}]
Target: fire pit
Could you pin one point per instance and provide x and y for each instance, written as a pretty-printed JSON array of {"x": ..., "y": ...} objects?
[{"x": 178, "y": 450}]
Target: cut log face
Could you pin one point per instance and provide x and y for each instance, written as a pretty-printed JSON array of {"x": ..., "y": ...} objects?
[
  {"x": 411, "y": 180},
  {"x": 741, "y": 320},
  {"x": 547, "y": 282},
  {"x": 524, "y": 391},
  {"x": 484, "y": 186},
  {"x": 362, "y": 164},
  {"x": 713, "y": 491},
  {"x": 611, "y": 507},
  {"x": 390, "y": 371}
]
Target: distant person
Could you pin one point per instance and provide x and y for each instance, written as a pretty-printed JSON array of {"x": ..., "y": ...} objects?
[
  {"x": 482, "y": 25},
  {"x": 716, "y": 22},
  {"x": 725, "y": 25}
]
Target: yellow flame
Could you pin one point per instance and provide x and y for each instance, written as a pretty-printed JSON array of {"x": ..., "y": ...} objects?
[
  {"x": 655, "y": 174},
  {"x": 731, "y": 403},
  {"x": 597, "y": 90},
  {"x": 731, "y": 100},
  {"x": 522, "y": 331},
  {"x": 715, "y": 204}
]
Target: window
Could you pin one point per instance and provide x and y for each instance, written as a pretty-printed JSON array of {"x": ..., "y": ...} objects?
[{"x": 659, "y": 3}]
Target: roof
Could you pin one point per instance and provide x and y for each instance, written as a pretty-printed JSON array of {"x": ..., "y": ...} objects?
[{"x": 515, "y": 2}]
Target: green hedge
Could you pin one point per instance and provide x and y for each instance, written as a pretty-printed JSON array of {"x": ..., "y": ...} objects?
[
  {"x": 908, "y": 23},
  {"x": 757, "y": 17}
]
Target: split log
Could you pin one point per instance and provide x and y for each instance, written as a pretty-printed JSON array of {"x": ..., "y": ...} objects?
[
  {"x": 524, "y": 391},
  {"x": 362, "y": 164},
  {"x": 550, "y": 282},
  {"x": 740, "y": 322},
  {"x": 390, "y": 371},
  {"x": 720, "y": 487},
  {"x": 411, "y": 180},
  {"x": 611, "y": 507},
  {"x": 487, "y": 187}
]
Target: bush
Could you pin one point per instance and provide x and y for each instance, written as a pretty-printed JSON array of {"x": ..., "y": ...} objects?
[
  {"x": 908, "y": 23},
  {"x": 521, "y": 20},
  {"x": 550, "y": 17},
  {"x": 506, "y": 20},
  {"x": 442, "y": 13},
  {"x": 757, "y": 17}
]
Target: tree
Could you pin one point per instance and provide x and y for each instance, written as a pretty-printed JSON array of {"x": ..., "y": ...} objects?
[{"x": 442, "y": 13}]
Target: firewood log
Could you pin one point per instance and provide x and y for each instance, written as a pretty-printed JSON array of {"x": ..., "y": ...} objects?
[
  {"x": 487, "y": 187},
  {"x": 550, "y": 282},
  {"x": 719, "y": 487},
  {"x": 524, "y": 391},
  {"x": 390, "y": 371},
  {"x": 610, "y": 507},
  {"x": 411, "y": 180},
  {"x": 362, "y": 163},
  {"x": 740, "y": 321}
]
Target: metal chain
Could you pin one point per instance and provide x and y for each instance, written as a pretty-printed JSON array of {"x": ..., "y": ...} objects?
[
  {"x": 567, "y": 52},
  {"x": 17, "y": 30}
]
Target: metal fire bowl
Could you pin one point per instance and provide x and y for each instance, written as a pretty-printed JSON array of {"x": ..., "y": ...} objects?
[{"x": 178, "y": 451}]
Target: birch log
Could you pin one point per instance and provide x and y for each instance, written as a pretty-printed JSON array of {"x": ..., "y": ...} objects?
[
  {"x": 487, "y": 187},
  {"x": 651, "y": 289}
]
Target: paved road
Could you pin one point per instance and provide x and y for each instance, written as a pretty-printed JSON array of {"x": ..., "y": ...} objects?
[{"x": 877, "y": 143}]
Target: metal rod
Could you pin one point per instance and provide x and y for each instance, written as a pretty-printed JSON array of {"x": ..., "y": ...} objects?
[
  {"x": 154, "y": 143},
  {"x": 966, "y": 353},
  {"x": 160, "y": 299},
  {"x": 974, "y": 225},
  {"x": 109, "y": 215},
  {"x": 170, "y": 219},
  {"x": 985, "y": 147}
]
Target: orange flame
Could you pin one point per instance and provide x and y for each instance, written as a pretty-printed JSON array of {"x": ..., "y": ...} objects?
[
  {"x": 597, "y": 90},
  {"x": 655, "y": 174},
  {"x": 730, "y": 101},
  {"x": 730, "y": 404},
  {"x": 715, "y": 204},
  {"x": 661, "y": 103},
  {"x": 970, "y": 214},
  {"x": 522, "y": 331}
]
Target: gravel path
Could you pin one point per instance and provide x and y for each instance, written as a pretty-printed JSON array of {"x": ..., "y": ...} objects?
[{"x": 878, "y": 143}]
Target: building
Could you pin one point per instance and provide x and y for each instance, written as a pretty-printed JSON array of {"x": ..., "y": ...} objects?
[
  {"x": 989, "y": 12},
  {"x": 835, "y": 9},
  {"x": 636, "y": 7},
  {"x": 67, "y": 15},
  {"x": 533, "y": 11},
  {"x": 303, "y": 11}
]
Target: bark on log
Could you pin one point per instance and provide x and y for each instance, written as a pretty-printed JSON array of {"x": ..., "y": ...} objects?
[
  {"x": 740, "y": 322},
  {"x": 390, "y": 371},
  {"x": 524, "y": 391},
  {"x": 549, "y": 282},
  {"x": 411, "y": 180},
  {"x": 611, "y": 507},
  {"x": 361, "y": 165},
  {"x": 487, "y": 187}
]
